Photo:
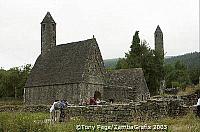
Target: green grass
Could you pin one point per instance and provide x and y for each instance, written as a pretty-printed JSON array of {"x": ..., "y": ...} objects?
[
  {"x": 28, "y": 122},
  {"x": 188, "y": 123}
]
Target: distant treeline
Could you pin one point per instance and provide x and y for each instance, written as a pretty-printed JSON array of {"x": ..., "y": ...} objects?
[
  {"x": 191, "y": 60},
  {"x": 12, "y": 81}
]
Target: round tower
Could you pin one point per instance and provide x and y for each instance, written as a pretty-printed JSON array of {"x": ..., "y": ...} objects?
[
  {"x": 48, "y": 33},
  {"x": 158, "y": 35}
]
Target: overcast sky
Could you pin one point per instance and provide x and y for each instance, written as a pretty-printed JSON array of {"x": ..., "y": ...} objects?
[{"x": 113, "y": 22}]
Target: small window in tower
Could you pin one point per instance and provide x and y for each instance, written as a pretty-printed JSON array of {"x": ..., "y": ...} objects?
[
  {"x": 43, "y": 26},
  {"x": 54, "y": 27}
]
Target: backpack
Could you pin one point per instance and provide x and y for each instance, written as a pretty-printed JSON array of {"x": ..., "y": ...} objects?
[{"x": 57, "y": 106}]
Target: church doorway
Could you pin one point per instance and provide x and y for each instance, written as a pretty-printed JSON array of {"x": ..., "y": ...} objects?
[{"x": 97, "y": 95}]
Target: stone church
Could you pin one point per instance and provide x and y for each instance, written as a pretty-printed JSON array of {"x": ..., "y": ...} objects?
[{"x": 75, "y": 71}]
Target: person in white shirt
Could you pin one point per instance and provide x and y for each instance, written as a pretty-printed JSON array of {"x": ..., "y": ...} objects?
[
  {"x": 198, "y": 107},
  {"x": 54, "y": 111},
  {"x": 198, "y": 102}
]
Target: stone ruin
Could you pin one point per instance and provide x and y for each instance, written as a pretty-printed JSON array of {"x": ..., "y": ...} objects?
[{"x": 75, "y": 72}]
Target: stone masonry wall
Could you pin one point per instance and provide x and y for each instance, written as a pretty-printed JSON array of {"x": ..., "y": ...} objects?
[
  {"x": 47, "y": 94},
  {"x": 73, "y": 93},
  {"x": 148, "y": 110},
  {"x": 116, "y": 93},
  {"x": 188, "y": 100},
  {"x": 191, "y": 99}
]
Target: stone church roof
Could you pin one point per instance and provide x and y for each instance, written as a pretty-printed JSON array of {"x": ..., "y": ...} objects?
[
  {"x": 63, "y": 64},
  {"x": 127, "y": 77}
]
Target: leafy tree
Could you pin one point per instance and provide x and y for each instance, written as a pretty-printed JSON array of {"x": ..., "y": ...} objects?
[
  {"x": 177, "y": 73},
  {"x": 121, "y": 64},
  {"x": 141, "y": 56},
  {"x": 189, "y": 62},
  {"x": 12, "y": 81},
  {"x": 194, "y": 75}
]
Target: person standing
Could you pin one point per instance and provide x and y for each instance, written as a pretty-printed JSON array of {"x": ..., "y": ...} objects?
[
  {"x": 55, "y": 111},
  {"x": 198, "y": 107},
  {"x": 92, "y": 101},
  {"x": 62, "y": 113},
  {"x": 52, "y": 111}
]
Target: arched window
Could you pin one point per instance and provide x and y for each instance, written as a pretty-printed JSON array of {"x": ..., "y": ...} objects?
[{"x": 97, "y": 95}]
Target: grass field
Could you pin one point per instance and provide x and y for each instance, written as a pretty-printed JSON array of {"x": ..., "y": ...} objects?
[{"x": 28, "y": 122}]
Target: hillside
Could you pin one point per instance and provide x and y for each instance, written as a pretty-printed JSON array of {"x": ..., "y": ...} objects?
[
  {"x": 191, "y": 60},
  {"x": 110, "y": 63}
]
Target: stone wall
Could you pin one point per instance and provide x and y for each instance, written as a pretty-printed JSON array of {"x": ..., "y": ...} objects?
[
  {"x": 47, "y": 94},
  {"x": 117, "y": 93},
  {"x": 73, "y": 93},
  {"x": 88, "y": 90},
  {"x": 25, "y": 108},
  {"x": 191, "y": 99},
  {"x": 188, "y": 100},
  {"x": 147, "y": 110}
]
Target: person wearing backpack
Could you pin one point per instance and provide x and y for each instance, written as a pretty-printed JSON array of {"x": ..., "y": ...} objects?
[{"x": 63, "y": 104}]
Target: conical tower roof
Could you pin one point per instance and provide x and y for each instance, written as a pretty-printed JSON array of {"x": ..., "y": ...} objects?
[
  {"x": 48, "y": 18},
  {"x": 158, "y": 30}
]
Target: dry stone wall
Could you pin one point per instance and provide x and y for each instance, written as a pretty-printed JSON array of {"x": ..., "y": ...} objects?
[
  {"x": 191, "y": 99},
  {"x": 148, "y": 110}
]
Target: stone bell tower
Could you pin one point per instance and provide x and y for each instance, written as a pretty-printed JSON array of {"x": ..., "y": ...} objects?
[
  {"x": 48, "y": 33},
  {"x": 158, "y": 35},
  {"x": 159, "y": 48}
]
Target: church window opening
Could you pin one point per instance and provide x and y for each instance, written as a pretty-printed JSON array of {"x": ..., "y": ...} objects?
[
  {"x": 43, "y": 26},
  {"x": 142, "y": 97},
  {"x": 97, "y": 95},
  {"x": 54, "y": 27}
]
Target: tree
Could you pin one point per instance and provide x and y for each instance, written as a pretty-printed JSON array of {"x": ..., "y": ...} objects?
[
  {"x": 135, "y": 54},
  {"x": 177, "y": 74},
  {"x": 121, "y": 64},
  {"x": 194, "y": 75},
  {"x": 141, "y": 56},
  {"x": 12, "y": 81}
]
